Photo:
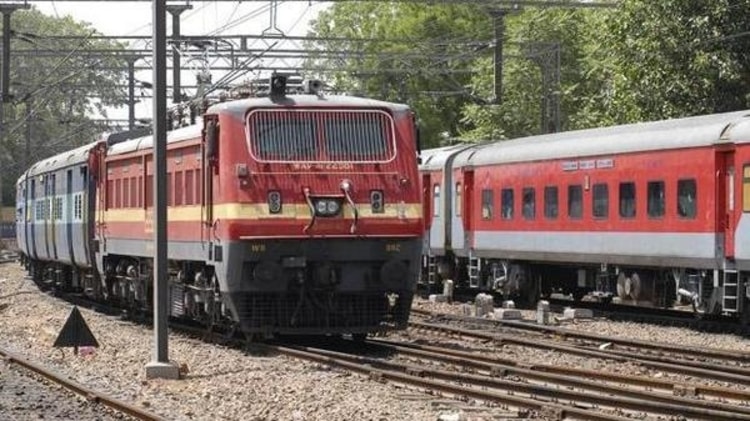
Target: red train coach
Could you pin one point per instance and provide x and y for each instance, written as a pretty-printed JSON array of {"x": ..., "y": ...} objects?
[
  {"x": 286, "y": 214},
  {"x": 647, "y": 214}
]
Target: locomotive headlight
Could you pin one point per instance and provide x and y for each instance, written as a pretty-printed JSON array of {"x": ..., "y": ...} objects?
[
  {"x": 327, "y": 207},
  {"x": 321, "y": 207},
  {"x": 377, "y": 201},
  {"x": 332, "y": 207},
  {"x": 274, "y": 202}
]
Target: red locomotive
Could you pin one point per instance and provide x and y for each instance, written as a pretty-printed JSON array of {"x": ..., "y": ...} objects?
[
  {"x": 286, "y": 214},
  {"x": 647, "y": 214}
]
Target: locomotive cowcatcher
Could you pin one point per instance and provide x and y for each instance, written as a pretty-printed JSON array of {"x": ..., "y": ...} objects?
[{"x": 286, "y": 214}]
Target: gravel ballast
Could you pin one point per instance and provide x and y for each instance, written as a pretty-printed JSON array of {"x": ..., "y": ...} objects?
[{"x": 222, "y": 383}]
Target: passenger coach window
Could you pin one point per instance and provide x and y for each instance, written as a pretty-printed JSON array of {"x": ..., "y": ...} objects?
[
  {"x": 436, "y": 200},
  {"x": 746, "y": 188},
  {"x": 529, "y": 203},
  {"x": 550, "y": 202},
  {"x": 575, "y": 201},
  {"x": 601, "y": 201},
  {"x": 458, "y": 199},
  {"x": 687, "y": 195},
  {"x": 655, "y": 199},
  {"x": 506, "y": 197},
  {"x": 487, "y": 199},
  {"x": 627, "y": 200}
]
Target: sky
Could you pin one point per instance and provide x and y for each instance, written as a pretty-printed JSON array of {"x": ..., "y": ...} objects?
[{"x": 206, "y": 18}]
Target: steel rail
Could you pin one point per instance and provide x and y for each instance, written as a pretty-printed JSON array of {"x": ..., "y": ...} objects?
[
  {"x": 542, "y": 344},
  {"x": 89, "y": 394},
  {"x": 328, "y": 357},
  {"x": 568, "y": 333},
  {"x": 580, "y": 380},
  {"x": 678, "y": 388},
  {"x": 403, "y": 372}
]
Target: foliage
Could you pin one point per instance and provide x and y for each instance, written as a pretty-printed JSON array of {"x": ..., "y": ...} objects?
[
  {"x": 679, "y": 57},
  {"x": 643, "y": 60},
  {"x": 53, "y": 90}
]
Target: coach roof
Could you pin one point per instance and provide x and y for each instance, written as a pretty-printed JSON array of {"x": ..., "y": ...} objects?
[
  {"x": 74, "y": 157},
  {"x": 733, "y": 127}
]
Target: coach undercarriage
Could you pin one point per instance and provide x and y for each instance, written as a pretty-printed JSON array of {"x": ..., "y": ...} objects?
[{"x": 701, "y": 290}]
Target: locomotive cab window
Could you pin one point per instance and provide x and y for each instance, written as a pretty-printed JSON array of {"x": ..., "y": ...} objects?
[
  {"x": 655, "y": 199},
  {"x": 487, "y": 199},
  {"x": 506, "y": 197},
  {"x": 575, "y": 201},
  {"x": 529, "y": 203},
  {"x": 627, "y": 200},
  {"x": 686, "y": 198},
  {"x": 550, "y": 202},
  {"x": 600, "y": 203}
]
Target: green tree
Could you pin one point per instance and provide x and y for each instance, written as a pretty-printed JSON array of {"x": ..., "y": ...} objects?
[
  {"x": 679, "y": 58},
  {"x": 60, "y": 85},
  {"x": 530, "y": 39}
]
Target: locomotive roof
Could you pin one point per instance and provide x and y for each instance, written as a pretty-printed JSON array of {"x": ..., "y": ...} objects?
[
  {"x": 239, "y": 107},
  {"x": 61, "y": 160},
  {"x": 145, "y": 142},
  {"x": 668, "y": 134}
]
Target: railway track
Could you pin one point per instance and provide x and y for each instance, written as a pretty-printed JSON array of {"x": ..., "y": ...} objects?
[
  {"x": 565, "y": 395},
  {"x": 689, "y": 368},
  {"x": 79, "y": 389},
  {"x": 655, "y": 351},
  {"x": 549, "y": 390}
]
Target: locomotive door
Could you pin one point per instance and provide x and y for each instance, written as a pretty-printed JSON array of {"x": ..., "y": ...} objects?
[{"x": 726, "y": 203}]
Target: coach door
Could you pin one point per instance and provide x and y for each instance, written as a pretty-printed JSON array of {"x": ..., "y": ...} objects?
[
  {"x": 462, "y": 195},
  {"x": 726, "y": 203}
]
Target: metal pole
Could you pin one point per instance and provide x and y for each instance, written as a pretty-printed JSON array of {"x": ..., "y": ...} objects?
[
  {"x": 131, "y": 93},
  {"x": 6, "y": 55},
  {"x": 176, "y": 10},
  {"x": 29, "y": 119},
  {"x": 160, "y": 365}
]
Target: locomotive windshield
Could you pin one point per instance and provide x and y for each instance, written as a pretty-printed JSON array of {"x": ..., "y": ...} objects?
[{"x": 321, "y": 135}]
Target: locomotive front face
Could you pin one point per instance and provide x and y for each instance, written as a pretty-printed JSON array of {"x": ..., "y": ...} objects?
[{"x": 324, "y": 218}]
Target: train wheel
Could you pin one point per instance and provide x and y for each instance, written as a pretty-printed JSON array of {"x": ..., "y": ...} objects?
[
  {"x": 635, "y": 286},
  {"x": 622, "y": 285}
]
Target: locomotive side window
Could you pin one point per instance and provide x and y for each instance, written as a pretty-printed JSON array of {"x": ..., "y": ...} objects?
[
  {"x": 550, "y": 202},
  {"x": 189, "y": 187},
  {"x": 436, "y": 200},
  {"x": 601, "y": 201},
  {"x": 746, "y": 188},
  {"x": 529, "y": 203},
  {"x": 686, "y": 198},
  {"x": 655, "y": 199},
  {"x": 575, "y": 201},
  {"x": 487, "y": 199},
  {"x": 178, "y": 188},
  {"x": 506, "y": 197},
  {"x": 627, "y": 200},
  {"x": 458, "y": 199}
]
